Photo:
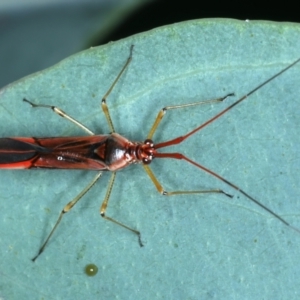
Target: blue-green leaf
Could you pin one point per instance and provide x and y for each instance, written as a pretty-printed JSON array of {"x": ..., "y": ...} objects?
[{"x": 196, "y": 247}]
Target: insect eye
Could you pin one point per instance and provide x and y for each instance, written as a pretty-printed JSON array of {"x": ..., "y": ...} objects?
[
  {"x": 149, "y": 142},
  {"x": 146, "y": 161}
]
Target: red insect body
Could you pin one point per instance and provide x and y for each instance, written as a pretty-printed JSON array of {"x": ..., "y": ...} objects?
[{"x": 98, "y": 152}]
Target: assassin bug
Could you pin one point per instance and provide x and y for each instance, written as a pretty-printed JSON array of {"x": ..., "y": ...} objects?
[{"x": 111, "y": 152}]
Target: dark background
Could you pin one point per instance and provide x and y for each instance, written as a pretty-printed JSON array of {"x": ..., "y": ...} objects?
[{"x": 164, "y": 12}]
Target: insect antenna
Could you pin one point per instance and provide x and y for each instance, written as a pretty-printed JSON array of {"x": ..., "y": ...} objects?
[{"x": 180, "y": 139}]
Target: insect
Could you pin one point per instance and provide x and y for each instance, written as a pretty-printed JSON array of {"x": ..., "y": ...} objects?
[{"x": 112, "y": 152}]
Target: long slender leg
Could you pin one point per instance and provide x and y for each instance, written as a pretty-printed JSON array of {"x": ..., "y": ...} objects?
[
  {"x": 66, "y": 209},
  {"x": 103, "y": 101},
  {"x": 163, "y": 111},
  {"x": 161, "y": 190},
  {"x": 104, "y": 207},
  {"x": 61, "y": 113},
  {"x": 181, "y": 156}
]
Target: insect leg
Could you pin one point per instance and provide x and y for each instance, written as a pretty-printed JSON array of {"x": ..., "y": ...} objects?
[
  {"x": 61, "y": 113},
  {"x": 104, "y": 207},
  {"x": 180, "y": 139},
  {"x": 66, "y": 209},
  {"x": 163, "y": 111},
  {"x": 183, "y": 157},
  {"x": 161, "y": 190},
  {"x": 103, "y": 101}
]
